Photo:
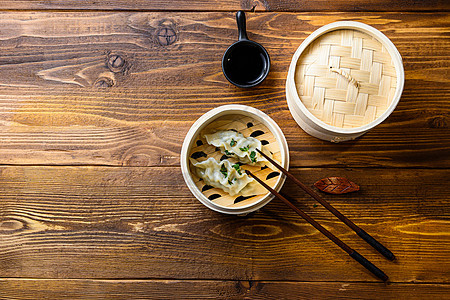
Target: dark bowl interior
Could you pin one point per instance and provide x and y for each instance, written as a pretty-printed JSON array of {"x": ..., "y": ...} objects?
[{"x": 246, "y": 63}]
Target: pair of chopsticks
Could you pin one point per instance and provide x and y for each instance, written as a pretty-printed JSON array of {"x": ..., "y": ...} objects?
[{"x": 364, "y": 235}]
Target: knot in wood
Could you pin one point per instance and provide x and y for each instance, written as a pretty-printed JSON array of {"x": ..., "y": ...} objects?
[
  {"x": 437, "y": 122},
  {"x": 116, "y": 63},
  {"x": 103, "y": 82},
  {"x": 10, "y": 225},
  {"x": 166, "y": 36},
  {"x": 262, "y": 231},
  {"x": 245, "y": 286}
]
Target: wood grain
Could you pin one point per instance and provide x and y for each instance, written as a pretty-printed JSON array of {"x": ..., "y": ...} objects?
[
  {"x": 31, "y": 289},
  {"x": 231, "y": 5},
  {"x": 71, "y": 49},
  {"x": 133, "y": 222},
  {"x": 63, "y": 103},
  {"x": 88, "y": 86}
]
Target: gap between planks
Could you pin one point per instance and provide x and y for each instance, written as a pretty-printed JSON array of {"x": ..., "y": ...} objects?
[
  {"x": 141, "y": 10},
  {"x": 178, "y": 166},
  {"x": 137, "y": 279}
]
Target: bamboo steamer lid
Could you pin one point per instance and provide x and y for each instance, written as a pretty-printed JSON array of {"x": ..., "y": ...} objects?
[{"x": 344, "y": 79}]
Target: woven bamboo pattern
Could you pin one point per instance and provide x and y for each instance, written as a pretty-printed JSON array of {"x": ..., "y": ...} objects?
[
  {"x": 247, "y": 126},
  {"x": 346, "y": 78}
]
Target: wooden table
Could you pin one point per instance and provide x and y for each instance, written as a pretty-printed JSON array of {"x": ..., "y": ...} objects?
[{"x": 96, "y": 99}]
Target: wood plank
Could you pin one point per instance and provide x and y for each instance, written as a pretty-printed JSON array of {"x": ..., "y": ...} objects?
[
  {"x": 231, "y": 5},
  {"x": 56, "y": 106},
  {"x": 134, "y": 222},
  {"x": 64, "y": 50},
  {"x": 31, "y": 289},
  {"x": 159, "y": 143}
]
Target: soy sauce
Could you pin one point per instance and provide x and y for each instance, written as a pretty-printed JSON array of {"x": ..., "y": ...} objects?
[{"x": 245, "y": 63}]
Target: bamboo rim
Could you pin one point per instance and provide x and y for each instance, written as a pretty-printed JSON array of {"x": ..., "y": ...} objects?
[
  {"x": 220, "y": 114},
  {"x": 389, "y": 49}
]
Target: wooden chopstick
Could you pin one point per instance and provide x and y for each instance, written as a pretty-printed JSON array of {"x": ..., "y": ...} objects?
[
  {"x": 364, "y": 235},
  {"x": 355, "y": 255}
]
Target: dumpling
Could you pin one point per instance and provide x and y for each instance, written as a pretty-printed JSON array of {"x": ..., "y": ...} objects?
[
  {"x": 227, "y": 176},
  {"x": 234, "y": 144}
]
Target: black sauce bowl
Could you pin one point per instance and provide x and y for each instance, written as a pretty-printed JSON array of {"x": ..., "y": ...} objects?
[{"x": 245, "y": 63}]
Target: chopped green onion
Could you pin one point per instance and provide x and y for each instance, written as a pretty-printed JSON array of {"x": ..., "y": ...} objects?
[
  {"x": 238, "y": 168},
  {"x": 229, "y": 153},
  {"x": 253, "y": 156},
  {"x": 244, "y": 149},
  {"x": 233, "y": 142},
  {"x": 224, "y": 170}
]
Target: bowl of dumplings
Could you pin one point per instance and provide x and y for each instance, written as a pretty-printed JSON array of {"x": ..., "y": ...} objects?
[{"x": 220, "y": 146}]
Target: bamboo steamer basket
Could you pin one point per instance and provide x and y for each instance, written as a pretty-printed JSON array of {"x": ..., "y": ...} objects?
[
  {"x": 343, "y": 80},
  {"x": 250, "y": 122}
]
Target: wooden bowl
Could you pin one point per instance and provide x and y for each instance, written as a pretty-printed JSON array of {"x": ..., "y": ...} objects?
[
  {"x": 250, "y": 122},
  {"x": 344, "y": 79}
]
